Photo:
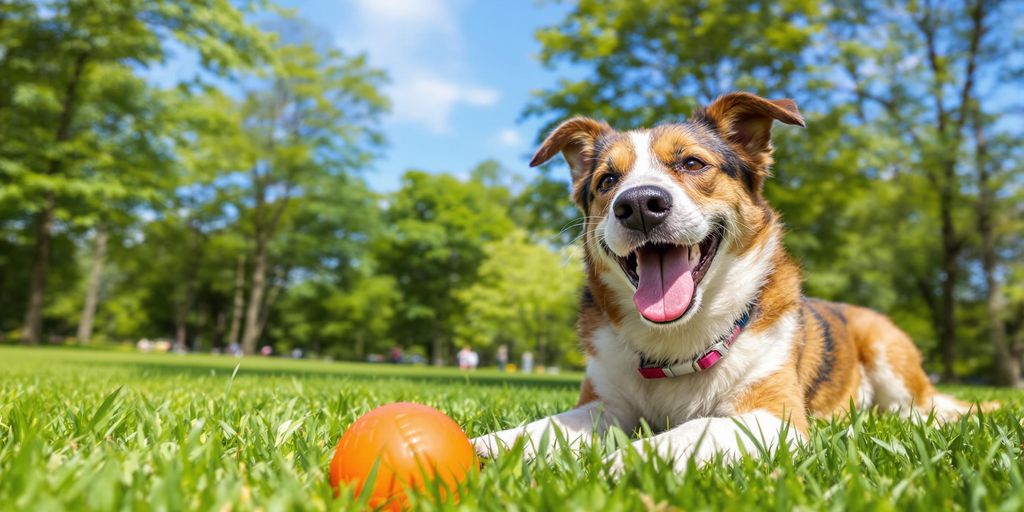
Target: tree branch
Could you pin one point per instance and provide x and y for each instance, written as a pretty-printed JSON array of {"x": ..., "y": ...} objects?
[
  {"x": 926, "y": 25},
  {"x": 977, "y": 32}
]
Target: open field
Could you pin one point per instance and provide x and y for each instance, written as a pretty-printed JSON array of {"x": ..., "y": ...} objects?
[{"x": 91, "y": 430}]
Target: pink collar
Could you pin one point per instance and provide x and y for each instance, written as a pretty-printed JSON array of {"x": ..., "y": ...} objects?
[{"x": 707, "y": 359}]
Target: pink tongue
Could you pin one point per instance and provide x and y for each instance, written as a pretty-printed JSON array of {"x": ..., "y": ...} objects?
[{"x": 666, "y": 283}]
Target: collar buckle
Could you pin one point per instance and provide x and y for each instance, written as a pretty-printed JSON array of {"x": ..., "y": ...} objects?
[{"x": 712, "y": 355}]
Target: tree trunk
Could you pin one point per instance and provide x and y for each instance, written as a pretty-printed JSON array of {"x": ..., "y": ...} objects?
[
  {"x": 181, "y": 316},
  {"x": 360, "y": 347},
  {"x": 92, "y": 291},
  {"x": 198, "y": 341},
  {"x": 437, "y": 346},
  {"x": 188, "y": 296},
  {"x": 33, "y": 328},
  {"x": 542, "y": 342},
  {"x": 950, "y": 124},
  {"x": 238, "y": 303},
  {"x": 950, "y": 271},
  {"x": 251, "y": 334},
  {"x": 1017, "y": 343},
  {"x": 180, "y": 333},
  {"x": 542, "y": 349},
  {"x": 219, "y": 325},
  {"x": 1008, "y": 365},
  {"x": 272, "y": 295}
]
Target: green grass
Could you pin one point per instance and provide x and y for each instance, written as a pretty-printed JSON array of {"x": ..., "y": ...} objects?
[{"x": 100, "y": 430}]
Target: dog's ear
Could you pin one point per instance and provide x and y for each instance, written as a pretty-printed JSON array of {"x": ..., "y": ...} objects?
[
  {"x": 746, "y": 119},
  {"x": 575, "y": 138}
]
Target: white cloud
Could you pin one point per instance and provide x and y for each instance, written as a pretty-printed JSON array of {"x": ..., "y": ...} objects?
[
  {"x": 419, "y": 43},
  {"x": 429, "y": 100},
  {"x": 480, "y": 96},
  {"x": 412, "y": 11},
  {"x": 510, "y": 138}
]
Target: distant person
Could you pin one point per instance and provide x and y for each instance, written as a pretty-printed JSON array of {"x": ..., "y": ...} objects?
[
  {"x": 464, "y": 358},
  {"x": 266, "y": 351},
  {"x": 234, "y": 349},
  {"x": 502, "y": 357},
  {"x": 296, "y": 353},
  {"x": 474, "y": 360},
  {"x": 395, "y": 355},
  {"x": 527, "y": 362}
]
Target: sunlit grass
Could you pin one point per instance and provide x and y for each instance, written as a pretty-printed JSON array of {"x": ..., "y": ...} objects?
[{"x": 102, "y": 431}]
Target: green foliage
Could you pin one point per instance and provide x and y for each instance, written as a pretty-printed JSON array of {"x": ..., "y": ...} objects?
[
  {"x": 544, "y": 207},
  {"x": 652, "y": 60},
  {"x": 525, "y": 297},
  {"x": 99, "y": 431},
  {"x": 434, "y": 249},
  {"x": 342, "y": 320},
  {"x": 76, "y": 119},
  {"x": 84, "y": 140},
  {"x": 309, "y": 126},
  {"x": 186, "y": 179}
]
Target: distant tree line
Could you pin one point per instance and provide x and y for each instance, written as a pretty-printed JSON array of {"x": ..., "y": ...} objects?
[{"x": 233, "y": 206}]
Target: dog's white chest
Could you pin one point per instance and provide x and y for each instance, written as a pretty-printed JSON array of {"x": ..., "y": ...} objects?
[
  {"x": 662, "y": 403},
  {"x": 667, "y": 402}
]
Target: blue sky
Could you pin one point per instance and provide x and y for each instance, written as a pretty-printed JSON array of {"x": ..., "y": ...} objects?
[{"x": 461, "y": 73}]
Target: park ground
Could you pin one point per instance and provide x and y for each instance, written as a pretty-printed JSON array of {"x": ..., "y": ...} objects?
[{"x": 99, "y": 430}]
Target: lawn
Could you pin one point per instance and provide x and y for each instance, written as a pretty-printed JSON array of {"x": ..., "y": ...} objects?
[{"x": 93, "y": 430}]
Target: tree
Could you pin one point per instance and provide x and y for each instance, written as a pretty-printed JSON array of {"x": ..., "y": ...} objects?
[
  {"x": 922, "y": 86},
  {"x": 435, "y": 245},
  {"x": 998, "y": 223},
  {"x": 312, "y": 122},
  {"x": 525, "y": 296},
  {"x": 92, "y": 294},
  {"x": 544, "y": 206},
  {"x": 66, "y": 75},
  {"x": 347, "y": 320},
  {"x": 654, "y": 60}
]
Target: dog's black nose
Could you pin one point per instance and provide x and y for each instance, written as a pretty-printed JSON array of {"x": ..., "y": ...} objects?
[{"x": 642, "y": 208}]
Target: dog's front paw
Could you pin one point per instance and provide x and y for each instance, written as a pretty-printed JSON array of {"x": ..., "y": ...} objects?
[
  {"x": 616, "y": 464},
  {"x": 644, "y": 451},
  {"x": 488, "y": 446}
]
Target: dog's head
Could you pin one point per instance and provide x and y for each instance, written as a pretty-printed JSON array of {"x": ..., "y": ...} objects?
[{"x": 665, "y": 206}]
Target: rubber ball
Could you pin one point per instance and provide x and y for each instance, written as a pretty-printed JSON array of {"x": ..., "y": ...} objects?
[{"x": 411, "y": 445}]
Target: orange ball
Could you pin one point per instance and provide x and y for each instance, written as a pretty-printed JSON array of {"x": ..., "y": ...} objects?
[{"x": 413, "y": 443}]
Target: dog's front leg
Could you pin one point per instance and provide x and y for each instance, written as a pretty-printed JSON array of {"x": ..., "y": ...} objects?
[
  {"x": 576, "y": 426},
  {"x": 702, "y": 439}
]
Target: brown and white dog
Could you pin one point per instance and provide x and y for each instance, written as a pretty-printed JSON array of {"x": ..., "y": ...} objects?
[{"x": 693, "y": 318}]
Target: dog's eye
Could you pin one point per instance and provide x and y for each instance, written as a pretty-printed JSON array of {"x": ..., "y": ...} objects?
[
  {"x": 693, "y": 165},
  {"x": 607, "y": 182}
]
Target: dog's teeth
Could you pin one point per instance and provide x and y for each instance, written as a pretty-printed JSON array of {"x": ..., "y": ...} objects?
[{"x": 694, "y": 253}]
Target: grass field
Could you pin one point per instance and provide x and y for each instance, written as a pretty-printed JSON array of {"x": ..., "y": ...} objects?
[{"x": 91, "y": 430}]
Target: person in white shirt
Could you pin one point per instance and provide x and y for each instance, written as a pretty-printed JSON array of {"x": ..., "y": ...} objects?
[{"x": 464, "y": 358}]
